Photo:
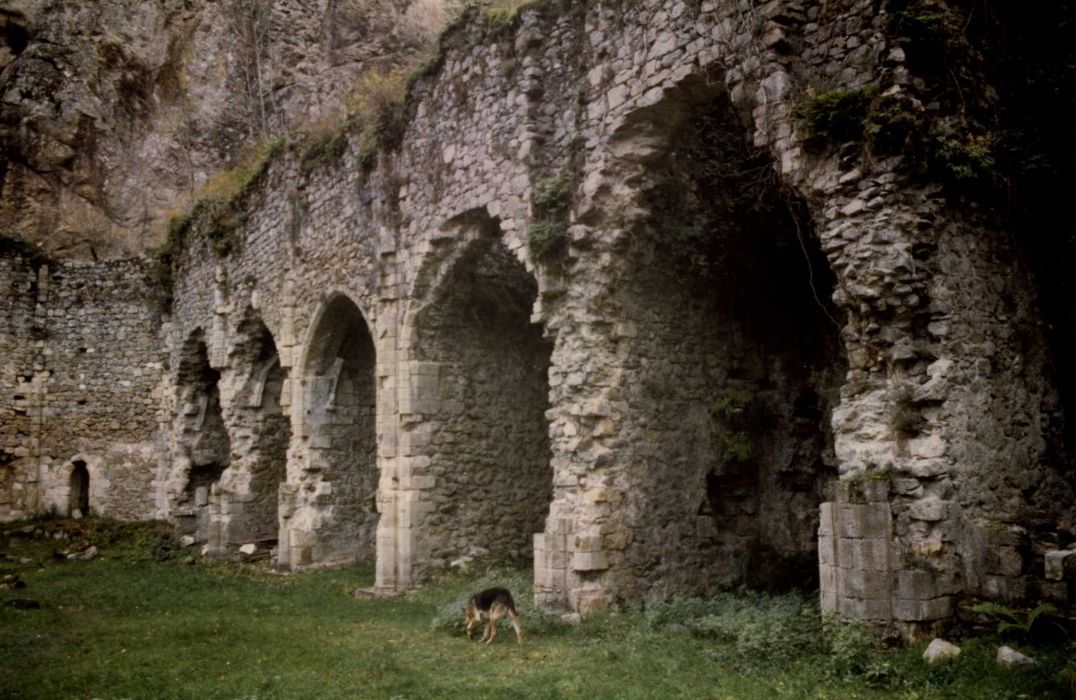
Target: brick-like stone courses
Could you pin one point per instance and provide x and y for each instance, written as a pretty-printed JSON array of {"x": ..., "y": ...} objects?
[
  {"x": 200, "y": 442},
  {"x": 481, "y": 395},
  {"x": 499, "y": 117},
  {"x": 597, "y": 93},
  {"x": 339, "y": 424},
  {"x": 81, "y": 383},
  {"x": 245, "y": 508},
  {"x": 19, "y": 344}
]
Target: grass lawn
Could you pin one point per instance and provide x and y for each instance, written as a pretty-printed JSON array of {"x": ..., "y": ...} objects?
[{"x": 125, "y": 625}]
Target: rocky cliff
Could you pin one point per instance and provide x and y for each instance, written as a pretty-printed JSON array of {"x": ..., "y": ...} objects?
[{"x": 113, "y": 112}]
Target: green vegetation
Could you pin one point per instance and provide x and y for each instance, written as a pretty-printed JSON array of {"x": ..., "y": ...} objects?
[
  {"x": 132, "y": 623},
  {"x": 834, "y": 116},
  {"x": 547, "y": 234},
  {"x": 1039, "y": 624},
  {"x": 323, "y": 144},
  {"x": 378, "y": 106},
  {"x": 31, "y": 252},
  {"x": 731, "y": 415}
]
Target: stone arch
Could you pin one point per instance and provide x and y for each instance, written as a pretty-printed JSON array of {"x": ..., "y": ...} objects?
[
  {"x": 201, "y": 449},
  {"x": 247, "y": 510},
  {"x": 78, "y": 500},
  {"x": 79, "y": 483},
  {"x": 731, "y": 365},
  {"x": 332, "y": 514},
  {"x": 473, "y": 420}
]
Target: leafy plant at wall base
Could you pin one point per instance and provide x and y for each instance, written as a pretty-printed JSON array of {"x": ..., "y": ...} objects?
[
  {"x": 1036, "y": 625},
  {"x": 737, "y": 447}
]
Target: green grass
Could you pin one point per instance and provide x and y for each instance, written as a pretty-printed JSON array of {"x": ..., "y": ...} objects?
[{"x": 127, "y": 625}]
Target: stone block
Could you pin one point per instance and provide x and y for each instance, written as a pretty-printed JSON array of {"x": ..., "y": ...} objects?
[
  {"x": 590, "y": 561},
  {"x": 588, "y": 543},
  {"x": 870, "y": 554},
  {"x": 827, "y": 551},
  {"x": 915, "y": 585},
  {"x": 844, "y": 547},
  {"x": 940, "y": 650},
  {"x": 865, "y": 584},
  {"x": 825, "y": 520},
  {"x": 849, "y": 518},
  {"x": 1004, "y": 588},
  {"x": 589, "y": 601},
  {"x": 929, "y": 509},
  {"x": 1010, "y": 561},
  {"x": 1055, "y": 563}
]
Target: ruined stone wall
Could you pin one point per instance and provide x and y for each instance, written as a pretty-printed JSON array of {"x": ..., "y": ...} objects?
[
  {"x": 488, "y": 456},
  {"x": 706, "y": 254},
  {"x": 18, "y": 348},
  {"x": 87, "y": 390},
  {"x": 603, "y": 100}
]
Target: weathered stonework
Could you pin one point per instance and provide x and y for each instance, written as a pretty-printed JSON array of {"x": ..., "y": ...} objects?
[
  {"x": 834, "y": 376},
  {"x": 81, "y": 367}
]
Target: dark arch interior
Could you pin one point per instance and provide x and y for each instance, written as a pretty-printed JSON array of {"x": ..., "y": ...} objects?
[
  {"x": 490, "y": 454},
  {"x": 254, "y": 516},
  {"x": 79, "y": 499},
  {"x": 340, "y": 410},
  {"x": 737, "y": 364},
  {"x": 201, "y": 434}
]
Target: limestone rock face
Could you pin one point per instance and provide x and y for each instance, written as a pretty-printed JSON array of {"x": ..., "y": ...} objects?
[{"x": 112, "y": 112}]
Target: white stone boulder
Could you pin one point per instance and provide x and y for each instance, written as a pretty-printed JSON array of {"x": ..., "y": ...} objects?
[
  {"x": 940, "y": 650},
  {"x": 186, "y": 540},
  {"x": 1011, "y": 658},
  {"x": 248, "y": 549}
]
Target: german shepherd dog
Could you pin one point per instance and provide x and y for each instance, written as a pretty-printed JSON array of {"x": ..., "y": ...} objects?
[{"x": 491, "y": 604}]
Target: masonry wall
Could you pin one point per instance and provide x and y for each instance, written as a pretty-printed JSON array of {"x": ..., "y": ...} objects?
[
  {"x": 89, "y": 389},
  {"x": 489, "y": 449},
  {"x": 866, "y": 334},
  {"x": 18, "y": 347}
]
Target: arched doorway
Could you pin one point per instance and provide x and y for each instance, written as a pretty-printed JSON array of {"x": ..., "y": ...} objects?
[
  {"x": 79, "y": 493},
  {"x": 202, "y": 447},
  {"x": 482, "y": 398},
  {"x": 339, "y": 413},
  {"x": 732, "y": 369},
  {"x": 249, "y": 494}
]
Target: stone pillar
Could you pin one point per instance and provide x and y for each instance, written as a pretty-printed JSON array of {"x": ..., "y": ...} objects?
[{"x": 868, "y": 572}]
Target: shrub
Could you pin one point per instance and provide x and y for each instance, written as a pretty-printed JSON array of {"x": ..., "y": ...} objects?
[
  {"x": 1037, "y": 625},
  {"x": 551, "y": 201},
  {"x": 323, "y": 143},
  {"x": 758, "y": 626},
  {"x": 376, "y": 105},
  {"x": 163, "y": 547},
  {"x": 834, "y": 116},
  {"x": 963, "y": 157}
]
